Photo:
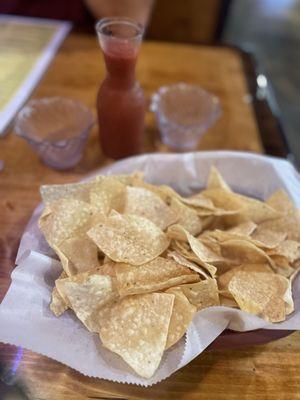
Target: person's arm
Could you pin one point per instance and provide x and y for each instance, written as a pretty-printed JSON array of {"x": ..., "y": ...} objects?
[{"x": 138, "y": 10}]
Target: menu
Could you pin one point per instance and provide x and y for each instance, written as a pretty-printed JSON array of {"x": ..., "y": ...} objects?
[{"x": 27, "y": 46}]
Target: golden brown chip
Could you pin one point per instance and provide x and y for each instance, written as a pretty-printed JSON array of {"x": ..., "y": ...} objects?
[
  {"x": 109, "y": 194},
  {"x": 201, "y": 294},
  {"x": 281, "y": 202},
  {"x": 182, "y": 315},
  {"x": 87, "y": 293},
  {"x": 78, "y": 191},
  {"x": 81, "y": 253},
  {"x": 129, "y": 238},
  {"x": 68, "y": 217},
  {"x": 261, "y": 294},
  {"x": 137, "y": 329},
  {"x": 58, "y": 305},
  {"x": 226, "y": 302},
  {"x": 186, "y": 217},
  {"x": 224, "y": 279},
  {"x": 205, "y": 254},
  {"x": 243, "y": 251},
  {"x": 144, "y": 203},
  {"x": 189, "y": 264},
  {"x": 244, "y": 229},
  {"x": 257, "y": 211},
  {"x": 216, "y": 181},
  {"x": 108, "y": 268},
  {"x": 267, "y": 239},
  {"x": 198, "y": 201},
  {"x": 158, "y": 274},
  {"x": 290, "y": 249}
]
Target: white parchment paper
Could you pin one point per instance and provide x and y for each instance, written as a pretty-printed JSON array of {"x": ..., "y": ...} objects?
[{"x": 25, "y": 317}]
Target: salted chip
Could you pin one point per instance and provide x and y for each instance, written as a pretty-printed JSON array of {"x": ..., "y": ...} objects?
[
  {"x": 245, "y": 229},
  {"x": 201, "y": 294},
  {"x": 289, "y": 224},
  {"x": 204, "y": 253},
  {"x": 281, "y": 202},
  {"x": 109, "y": 194},
  {"x": 186, "y": 217},
  {"x": 58, "y": 305},
  {"x": 108, "y": 268},
  {"x": 268, "y": 239},
  {"x": 67, "y": 265},
  {"x": 129, "y": 238},
  {"x": 67, "y": 218},
  {"x": 189, "y": 264},
  {"x": 78, "y": 191},
  {"x": 226, "y": 302},
  {"x": 290, "y": 249},
  {"x": 224, "y": 279},
  {"x": 144, "y": 203},
  {"x": 262, "y": 294},
  {"x": 137, "y": 329},
  {"x": 198, "y": 201},
  {"x": 158, "y": 274},
  {"x": 243, "y": 251},
  {"x": 87, "y": 293},
  {"x": 256, "y": 210},
  {"x": 182, "y": 315},
  {"x": 81, "y": 252},
  {"x": 215, "y": 180}
]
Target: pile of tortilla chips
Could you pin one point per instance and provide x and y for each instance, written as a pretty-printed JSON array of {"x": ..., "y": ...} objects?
[{"x": 140, "y": 260}]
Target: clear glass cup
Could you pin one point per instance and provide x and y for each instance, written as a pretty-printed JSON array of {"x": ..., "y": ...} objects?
[
  {"x": 56, "y": 128},
  {"x": 184, "y": 113}
]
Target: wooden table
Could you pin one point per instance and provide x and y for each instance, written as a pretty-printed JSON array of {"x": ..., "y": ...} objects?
[{"x": 263, "y": 372}]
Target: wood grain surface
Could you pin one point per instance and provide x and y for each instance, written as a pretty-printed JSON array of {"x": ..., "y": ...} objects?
[{"x": 262, "y": 372}]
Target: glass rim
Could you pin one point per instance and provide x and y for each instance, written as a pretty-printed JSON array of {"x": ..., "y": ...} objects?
[{"x": 104, "y": 22}]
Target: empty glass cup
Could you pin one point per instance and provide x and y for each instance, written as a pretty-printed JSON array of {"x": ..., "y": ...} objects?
[
  {"x": 56, "y": 128},
  {"x": 184, "y": 113}
]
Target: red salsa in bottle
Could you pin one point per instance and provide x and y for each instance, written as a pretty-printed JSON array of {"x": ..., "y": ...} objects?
[{"x": 120, "y": 101}]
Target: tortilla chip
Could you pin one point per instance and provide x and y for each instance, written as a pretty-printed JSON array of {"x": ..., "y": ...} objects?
[
  {"x": 244, "y": 252},
  {"x": 187, "y": 217},
  {"x": 79, "y": 191},
  {"x": 215, "y": 180},
  {"x": 244, "y": 229},
  {"x": 261, "y": 294},
  {"x": 226, "y": 302},
  {"x": 290, "y": 249},
  {"x": 107, "y": 195},
  {"x": 267, "y": 239},
  {"x": 68, "y": 217},
  {"x": 224, "y": 279},
  {"x": 137, "y": 330},
  {"x": 189, "y": 264},
  {"x": 158, "y": 274},
  {"x": 58, "y": 305},
  {"x": 182, "y": 315},
  {"x": 87, "y": 293},
  {"x": 257, "y": 211},
  {"x": 198, "y": 201},
  {"x": 281, "y": 202},
  {"x": 81, "y": 252},
  {"x": 144, "y": 203},
  {"x": 129, "y": 239},
  {"x": 289, "y": 224},
  {"x": 201, "y": 294},
  {"x": 108, "y": 268}
]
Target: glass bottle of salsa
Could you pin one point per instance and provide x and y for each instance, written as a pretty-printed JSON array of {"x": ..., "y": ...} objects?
[{"x": 120, "y": 102}]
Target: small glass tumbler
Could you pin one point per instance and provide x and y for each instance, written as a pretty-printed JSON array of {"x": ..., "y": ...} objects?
[
  {"x": 56, "y": 128},
  {"x": 184, "y": 113}
]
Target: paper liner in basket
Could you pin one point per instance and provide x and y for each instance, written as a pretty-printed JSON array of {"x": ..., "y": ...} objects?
[{"x": 25, "y": 317}]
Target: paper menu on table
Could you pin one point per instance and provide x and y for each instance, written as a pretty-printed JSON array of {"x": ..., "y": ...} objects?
[{"x": 27, "y": 46}]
